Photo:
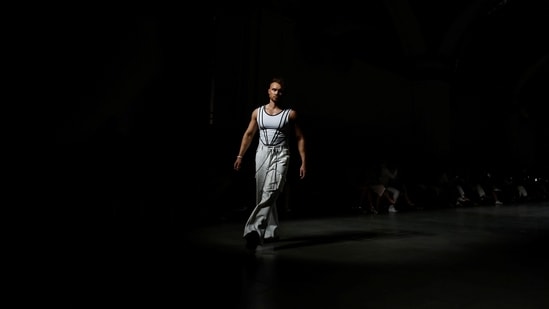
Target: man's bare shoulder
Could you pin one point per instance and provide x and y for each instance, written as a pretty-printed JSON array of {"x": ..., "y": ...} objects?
[
  {"x": 255, "y": 111},
  {"x": 293, "y": 114}
]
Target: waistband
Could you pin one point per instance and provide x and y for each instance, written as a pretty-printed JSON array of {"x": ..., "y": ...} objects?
[{"x": 274, "y": 147}]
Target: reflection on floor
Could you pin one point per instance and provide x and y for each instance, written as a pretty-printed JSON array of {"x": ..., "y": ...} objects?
[{"x": 476, "y": 257}]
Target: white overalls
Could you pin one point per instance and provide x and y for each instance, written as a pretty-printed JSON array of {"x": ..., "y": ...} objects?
[{"x": 272, "y": 159}]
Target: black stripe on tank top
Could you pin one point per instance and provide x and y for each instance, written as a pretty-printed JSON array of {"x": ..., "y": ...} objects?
[{"x": 279, "y": 127}]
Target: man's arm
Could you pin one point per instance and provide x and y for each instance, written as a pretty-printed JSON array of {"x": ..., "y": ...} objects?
[
  {"x": 300, "y": 139},
  {"x": 246, "y": 139}
]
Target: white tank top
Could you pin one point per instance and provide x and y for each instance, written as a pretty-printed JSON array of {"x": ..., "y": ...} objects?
[{"x": 273, "y": 129}]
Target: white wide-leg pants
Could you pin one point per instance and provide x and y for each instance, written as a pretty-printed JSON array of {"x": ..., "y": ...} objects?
[{"x": 271, "y": 164}]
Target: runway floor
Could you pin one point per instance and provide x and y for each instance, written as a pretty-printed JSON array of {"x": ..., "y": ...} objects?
[{"x": 470, "y": 257}]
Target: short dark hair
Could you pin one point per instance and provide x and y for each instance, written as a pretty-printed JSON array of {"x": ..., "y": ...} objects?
[{"x": 279, "y": 80}]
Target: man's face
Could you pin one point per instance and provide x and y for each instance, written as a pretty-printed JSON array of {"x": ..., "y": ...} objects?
[{"x": 275, "y": 91}]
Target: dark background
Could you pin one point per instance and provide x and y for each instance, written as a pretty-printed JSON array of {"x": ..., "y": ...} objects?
[{"x": 132, "y": 115}]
